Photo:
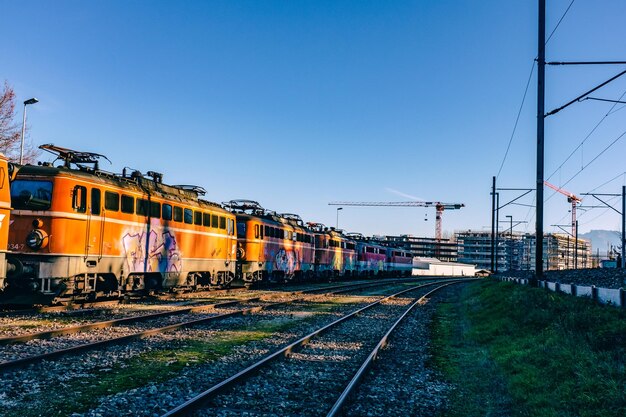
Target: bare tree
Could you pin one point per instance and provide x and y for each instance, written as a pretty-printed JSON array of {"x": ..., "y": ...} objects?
[{"x": 10, "y": 129}]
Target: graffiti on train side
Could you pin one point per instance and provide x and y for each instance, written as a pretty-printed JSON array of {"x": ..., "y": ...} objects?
[
  {"x": 161, "y": 253},
  {"x": 286, "y": 261}
]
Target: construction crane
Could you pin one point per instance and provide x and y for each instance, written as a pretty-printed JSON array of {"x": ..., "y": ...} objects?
[
  {"x": 571, "y": 198},
  {"x": 439, "y": 208}
]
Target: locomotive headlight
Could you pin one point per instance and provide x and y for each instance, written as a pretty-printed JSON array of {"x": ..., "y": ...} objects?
[{"x": 37, "y": 239}]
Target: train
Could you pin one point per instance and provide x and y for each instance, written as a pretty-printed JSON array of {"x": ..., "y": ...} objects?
[{"x": 79, "y": 232}]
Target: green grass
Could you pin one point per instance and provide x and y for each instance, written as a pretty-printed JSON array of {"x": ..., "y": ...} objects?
[
  {"x": 156, "y": 366},
  {"x": 519, "y": 351}
]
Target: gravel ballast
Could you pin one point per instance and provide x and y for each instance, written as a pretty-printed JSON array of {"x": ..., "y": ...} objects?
[
  {"x": 29, "y": 385},
  {"x": 309, "y": 380}
]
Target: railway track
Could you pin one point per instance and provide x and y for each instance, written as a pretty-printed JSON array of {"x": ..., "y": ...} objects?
[
  {"x": 82, "y": 306},
  {"x": 309, "y": 371},
  {"x": 184, "y": 317},
  {"x": 16, "y": 338}
]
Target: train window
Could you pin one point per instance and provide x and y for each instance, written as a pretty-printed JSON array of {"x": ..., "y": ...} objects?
[
  {"x": 167, "y": 212},
  {"x": 206, "y": 219},
  {"x": 128, "y": 204},
  {"x": 79, "y": 199},
  {"x": 31, "y": 194},
  {"x": 178, "y": 214},
  {"x": 261, "y": 231},
  {"x": 188, "y": 216},
  {"x": 95, "y": 201},
  {"x": 197, "y": 218},
  {"x": 214, "y": 221},
  {"x": 155, "y": 210},
  {"x": 111, "y": 201},
  {"x": 142, "y": 207},
  {"x": 241, "y": 229},
  {"x": 382, "y": 251},
  {"x": 256, "y": 230},
  {"x": 297, "y": 237},
  {"x": 267, "y": 231},
  {"x": 231, "y": 226},
  {"x": 281, "y": 233},
  {"x": 222, "y": 222},
  {"x": 146, "y": 207}
]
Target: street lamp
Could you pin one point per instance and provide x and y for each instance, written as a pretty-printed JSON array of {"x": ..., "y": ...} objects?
[
  {"x": 510, "y": 217},
  {"x": 510, "y": 243},
  {"x": 26, "y": 103},
  {"x": 339, "y": 208}
]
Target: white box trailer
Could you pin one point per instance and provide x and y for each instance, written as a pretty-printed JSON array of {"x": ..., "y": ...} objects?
[{"x": 435, "y": 267}]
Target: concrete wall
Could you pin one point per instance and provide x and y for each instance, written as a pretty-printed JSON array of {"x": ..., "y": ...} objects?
[
  {"x": 609, "y": 296},
  {"x": 600, "y": 277}
]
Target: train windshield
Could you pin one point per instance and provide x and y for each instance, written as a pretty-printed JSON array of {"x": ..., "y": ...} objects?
[{"x": 31, "y": 194}]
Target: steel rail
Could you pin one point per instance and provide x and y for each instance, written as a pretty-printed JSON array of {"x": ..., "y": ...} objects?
[
  {"x": 110, "y": 323},
  {"x": 144, "y": 317},
  {"x": 139, "y": 335},
  {"x": 197, "y": 401},
  {"x": 337, "y": 407},
  {"x": 143, "y": 334}
]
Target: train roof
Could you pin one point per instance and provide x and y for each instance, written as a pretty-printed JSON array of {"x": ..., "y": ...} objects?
[
  {"x": 134, "y": 181},
  {"x": 251, "y": 208}
]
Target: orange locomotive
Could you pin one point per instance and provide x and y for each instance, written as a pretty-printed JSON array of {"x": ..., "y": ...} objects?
[
  {"x": 6, "y": 170},
  {"x": 271, "y": 246},
  {"x": 85, "y": 232}
]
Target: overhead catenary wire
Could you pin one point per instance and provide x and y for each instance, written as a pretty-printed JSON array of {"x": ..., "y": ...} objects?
[
  {"x": 607, "y": 182},
  {"x": 586, "y": 137},
  {"x": 559, "y": 22},
  {"x": 519, "y": 112},
  {"x": 592, "y": 161},
  {"x": 590, "y": 191},
  {"x": 580, "y": 146}
]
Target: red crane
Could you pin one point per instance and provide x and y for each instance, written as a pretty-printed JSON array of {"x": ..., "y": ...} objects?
[
  {"x": 439, "y": 208},
  {"x": 571, "y": 198}
]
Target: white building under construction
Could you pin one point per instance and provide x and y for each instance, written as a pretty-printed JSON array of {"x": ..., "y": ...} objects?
[{"x": 516, "y": 251}]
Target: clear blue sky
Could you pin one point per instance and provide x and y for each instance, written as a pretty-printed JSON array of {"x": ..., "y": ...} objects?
[{"x": 298, "y": 103}]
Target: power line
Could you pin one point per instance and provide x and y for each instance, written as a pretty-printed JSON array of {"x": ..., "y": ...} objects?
[
  {"x": 587, "y": 137},
  {"x": 593, "y": 160},
  {"x": 582, "y": 143},
  {"x": 519, "y": 112},
  {"x": 605, "y": 183},
  {"x": 559, "y": 22}
]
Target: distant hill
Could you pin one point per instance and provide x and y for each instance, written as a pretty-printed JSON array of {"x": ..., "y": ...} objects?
[{"x": 601, "y": 239}]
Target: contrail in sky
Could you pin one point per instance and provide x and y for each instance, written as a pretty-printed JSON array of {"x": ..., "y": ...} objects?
[{"x": 400, "y": 193}]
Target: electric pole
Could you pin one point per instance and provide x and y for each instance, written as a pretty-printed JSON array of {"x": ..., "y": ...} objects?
[{"x": 541, "y": 73}]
